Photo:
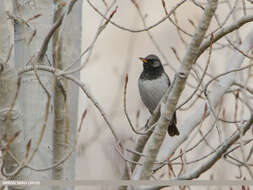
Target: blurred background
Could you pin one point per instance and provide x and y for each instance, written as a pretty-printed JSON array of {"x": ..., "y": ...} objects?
[{"x": 116, "y": 53}]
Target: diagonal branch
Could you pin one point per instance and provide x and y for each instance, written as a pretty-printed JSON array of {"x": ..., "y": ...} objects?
[
  {"x": 224, "y": 31},
  {"x": 168, "y": 107},
  {"x": 44, "y": 46},
  {"x": 195, "y": 173},
  {"x": 163, "y": 155},
  {"x": 83, "y": 88},
  {"x": 215, "y": 95},
  {"x": 219, "y": 152},
  {"x": 138, "y": 30}
]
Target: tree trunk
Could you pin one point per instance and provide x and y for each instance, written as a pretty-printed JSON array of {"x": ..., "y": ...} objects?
[
  {"x": 67, "y": 50},
  {"x": 36, "y": 104},
  {"x": 11, "y": 122}
]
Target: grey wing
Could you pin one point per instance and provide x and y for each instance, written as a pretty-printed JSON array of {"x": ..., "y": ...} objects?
[{"x": 151, "y": 92}]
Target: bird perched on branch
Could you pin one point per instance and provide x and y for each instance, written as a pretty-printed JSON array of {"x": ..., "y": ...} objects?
[{"x": 153, "y": 84}]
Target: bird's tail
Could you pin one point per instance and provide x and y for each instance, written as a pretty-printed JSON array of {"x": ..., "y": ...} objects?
[{"x": 172, "y": 129}]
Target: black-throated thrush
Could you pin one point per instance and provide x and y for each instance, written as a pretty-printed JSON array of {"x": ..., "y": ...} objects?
[{"x": 153, "y": 84}]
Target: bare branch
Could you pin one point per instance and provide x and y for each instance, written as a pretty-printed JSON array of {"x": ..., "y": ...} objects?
[
  {"x": 141, "y": 30},
  {"x": 125, "y": 109},
  {"x": 203, "y": 75},
  {"x": 219, "y": 152},
  {"x": 168, "y": 109},
  {"x": 224, "y": 31},
  {"x": 82, "y": 119},
  {"x": 83, "y": 88},
  {"x": 234, "y": 62},
  {"x": 43, "y": 48},
  {"x": 91, "y": 46},
  {"x": 223, "y": 74}
]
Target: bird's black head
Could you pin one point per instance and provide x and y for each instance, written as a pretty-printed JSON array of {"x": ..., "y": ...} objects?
[{"x": 152, "y": 66}]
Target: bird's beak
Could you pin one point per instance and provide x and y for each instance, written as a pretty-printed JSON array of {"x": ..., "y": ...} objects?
[{"x": 143, "y": 60}]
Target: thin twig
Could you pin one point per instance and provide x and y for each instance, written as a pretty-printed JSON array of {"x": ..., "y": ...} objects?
[
  {"x": 52, "y": 166},
  {"x": 82, "y": 119},
  {"x": 223, "y": 74},
  {"x": 45, "y": 43},
  {"x": 151, "y": 36},
  {"x": 90, "y": 48},
  {"x": 83, "y": 88},
  {"x": 9, "y": 55},
  {"x": 203, "y": 75},
  {"x": 125, "y": 109},
  {"x": 224, "y": 31},
  {"x": 139, "y": 30}
]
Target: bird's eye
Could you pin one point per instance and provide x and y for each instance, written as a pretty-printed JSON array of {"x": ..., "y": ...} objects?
[{"x": 156, "y": 64}]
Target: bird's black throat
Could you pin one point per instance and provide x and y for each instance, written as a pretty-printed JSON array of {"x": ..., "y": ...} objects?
[{"x": 151, "y": 73}]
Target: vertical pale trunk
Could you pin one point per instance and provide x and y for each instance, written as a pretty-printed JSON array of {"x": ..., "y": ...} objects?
[
  {"x": 33, "y": 98},
  {"x": 10, "y": 120},
  {"x": 66, "y": 112}
]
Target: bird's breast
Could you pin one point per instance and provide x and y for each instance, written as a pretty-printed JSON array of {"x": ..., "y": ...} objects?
[{"x": 151, "y": 91}]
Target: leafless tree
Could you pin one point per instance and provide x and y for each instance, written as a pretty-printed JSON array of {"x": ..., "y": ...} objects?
[{"x": 38, "y": 125}]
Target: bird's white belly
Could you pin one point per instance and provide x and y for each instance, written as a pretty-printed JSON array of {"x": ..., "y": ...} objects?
[{"x": 152, "y": 91}]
